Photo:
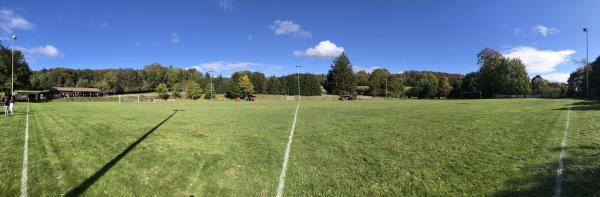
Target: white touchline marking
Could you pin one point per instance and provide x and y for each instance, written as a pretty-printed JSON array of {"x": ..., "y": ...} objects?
[
  {"x": 287, "y": 155},
  {"x": 25, "y": 157},
  {"x": 559, "y": 171}
]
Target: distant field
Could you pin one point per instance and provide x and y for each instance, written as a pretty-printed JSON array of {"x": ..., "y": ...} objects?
[{"x": 359, "y": 148}]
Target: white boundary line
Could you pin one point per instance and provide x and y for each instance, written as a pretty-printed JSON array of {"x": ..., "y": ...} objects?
[
  {"x": 563, "y": 144},
  {"x": 25, "y": 157},
  {"x": 287, "y": 155}
]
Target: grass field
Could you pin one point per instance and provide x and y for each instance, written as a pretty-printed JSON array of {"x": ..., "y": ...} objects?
[{"x": 377, "y": 147}]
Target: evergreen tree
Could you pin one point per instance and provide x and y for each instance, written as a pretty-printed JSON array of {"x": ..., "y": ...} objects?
[
  {"x": 340, "y": 79},
  {"x": 274, "y": 86},
  {"x": 469, "y": 82}
]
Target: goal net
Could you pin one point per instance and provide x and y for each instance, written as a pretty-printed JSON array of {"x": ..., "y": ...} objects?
[{"x": 133, "y": 98}]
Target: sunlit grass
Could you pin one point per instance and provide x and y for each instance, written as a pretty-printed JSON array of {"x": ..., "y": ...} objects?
[{"x": 220, "y": 148}]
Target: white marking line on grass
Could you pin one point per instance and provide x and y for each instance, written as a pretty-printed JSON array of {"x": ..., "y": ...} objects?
[
  {"x": 25, "y": 157},
  {"x": 559, "y": 171},
  {"x": 287, "y": 155}
]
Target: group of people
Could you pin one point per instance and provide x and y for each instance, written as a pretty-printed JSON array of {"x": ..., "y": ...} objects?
[{"x": 9, "y": 105}]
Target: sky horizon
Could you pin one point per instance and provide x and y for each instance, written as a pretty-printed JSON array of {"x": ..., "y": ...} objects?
[{"x": 274, "y": 37}]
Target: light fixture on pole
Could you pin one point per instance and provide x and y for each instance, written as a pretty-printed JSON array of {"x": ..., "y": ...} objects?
[
  {"x": 386, "y": 90},
  {"x": 12, "y": 75},
  {"x": 212, "y": 87},
  {"x": 587, "y": 63},
  {"x": 298, "y": 67}
]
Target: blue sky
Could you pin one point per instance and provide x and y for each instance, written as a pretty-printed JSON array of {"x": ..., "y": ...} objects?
[{"x": 273, "y": 36}]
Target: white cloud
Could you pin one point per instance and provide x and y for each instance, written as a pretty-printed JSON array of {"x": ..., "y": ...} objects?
[
  {"x": 226, "y": 5},
  {"x": 10, "y": 21},
  {"x": 324, "y": 49},
  {"x": 174, "y": 38},
  {"x": 197, "y": 68},
  {"x": 539, "y": 61},
  {"x": 545, "y": 31},
  {"x": 226, "y": 66},
  {"x": 287, "y": 27},
  {"x": 366, "y": 69},
  {"x": 46, "y": 50},
  {"x": 557, "y": 77},
  {"x": 249, "y": 37}
]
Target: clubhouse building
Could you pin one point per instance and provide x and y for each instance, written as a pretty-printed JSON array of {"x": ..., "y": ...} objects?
[{"x": 57, "y": 92}]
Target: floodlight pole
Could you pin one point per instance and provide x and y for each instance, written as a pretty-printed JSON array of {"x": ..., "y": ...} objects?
[
  {"x": 212, "y": 86},
  {"x": 12, "y": 60},
  {"x": 386, "y": 90},
  {"x": 298, "y": 79},
  {"x": 587, "y": 80}
]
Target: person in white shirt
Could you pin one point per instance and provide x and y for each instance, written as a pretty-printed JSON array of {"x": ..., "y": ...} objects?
[{"x": 12, "y": 104}]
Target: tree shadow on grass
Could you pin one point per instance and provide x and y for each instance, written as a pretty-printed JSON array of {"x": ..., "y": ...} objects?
[
  {"x": 98, "y": 174},
  {"x": 586, "y": 105},
  {"x": 581, "y": 175}
]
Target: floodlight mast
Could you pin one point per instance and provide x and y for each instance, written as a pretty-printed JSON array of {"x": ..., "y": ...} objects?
[
  {"x": 212, "y": 87},
  {"x": 298, "y": 79},
  {"x": 386, "y": 90},
  {"x": 587, "y": 63},
  {"x": 12, "y": 60}
]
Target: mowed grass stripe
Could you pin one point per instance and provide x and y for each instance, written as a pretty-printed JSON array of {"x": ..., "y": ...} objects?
[
  {"x": 390, "y": 148},
  {"x": 286, "y": 156},
  {"x": 11, "y": 149},
  {"x": 423, "y": 147},
  {"x": 563, "y": 145},
  {"x": 24, "y": 174},
  {"x": 193, "y": 153},
  {"x": 581, "y": 172}
]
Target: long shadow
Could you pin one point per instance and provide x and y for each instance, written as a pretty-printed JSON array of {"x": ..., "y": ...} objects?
[
  {"x": 580, "y": 176},
  {"x": 92, "y": 179},
  {"x": 586, "y": 105}
]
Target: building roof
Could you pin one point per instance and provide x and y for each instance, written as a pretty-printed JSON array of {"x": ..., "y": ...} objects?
[
  {"x": 70, "y": 89},
  {"x": 30, "y": 91}
]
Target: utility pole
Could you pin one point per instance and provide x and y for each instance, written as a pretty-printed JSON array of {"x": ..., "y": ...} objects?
[
  {"x": 212, "y": 86},
  {"x": 587, "y": 63},
  {"x": 298, "y": 67},
  {"x": 12, "y": 75},
  {"x": 386, "y": 90}
]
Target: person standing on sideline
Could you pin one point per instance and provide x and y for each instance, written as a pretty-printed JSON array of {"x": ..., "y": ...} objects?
[
  {"x": 6, "y": 102},
  {"x": 12, "y": 104}
]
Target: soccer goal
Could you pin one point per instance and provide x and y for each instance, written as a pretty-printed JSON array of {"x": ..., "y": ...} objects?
[
  {"x": 470, "y": 95},
  {"x": 138, "y": 98}
]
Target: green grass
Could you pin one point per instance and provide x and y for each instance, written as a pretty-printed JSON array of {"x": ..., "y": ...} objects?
[{"x": 360, "y": 148}]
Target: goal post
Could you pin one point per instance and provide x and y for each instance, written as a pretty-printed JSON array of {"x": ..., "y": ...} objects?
[
  {"x": 470, "y": 95},
  {"x": 136, "y": 98}
]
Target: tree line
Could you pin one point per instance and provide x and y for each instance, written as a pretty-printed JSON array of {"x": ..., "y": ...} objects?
[
  {"x": 496, "y": 75},
  {"x": 584, "y": 82}
]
